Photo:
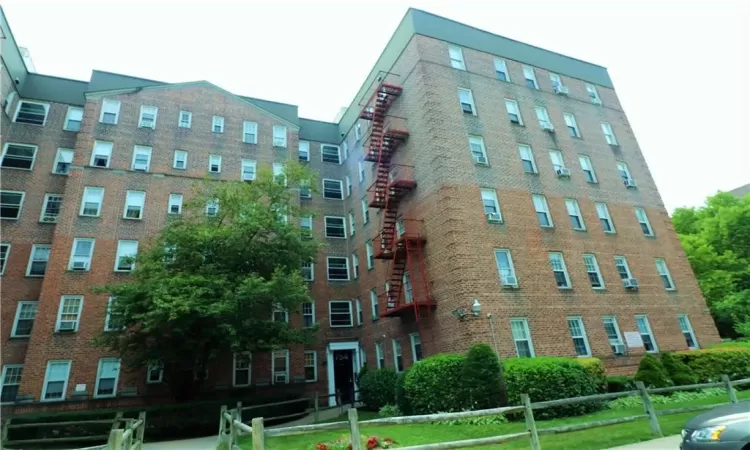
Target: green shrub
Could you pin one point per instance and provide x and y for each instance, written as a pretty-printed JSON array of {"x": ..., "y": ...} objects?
[
  {"x": 497, "y": 419},
  {"x": 634, "y": 401},
  {"x": 546, "y": 378},
  {"x": 620, "y": 384},
  {"x": 377, "y": 388},
  {"x": 481, "y": 378},
  {"x": 595, "y": 369},
  {"x": 435, "y": 385},
  {"x": 710, "y": 364},
  {"x": 680, "y": 373},
  {"x": 390, "y": 411},
  {"x": 652, "y": 373},
  {"x": 401, "y": 401}
]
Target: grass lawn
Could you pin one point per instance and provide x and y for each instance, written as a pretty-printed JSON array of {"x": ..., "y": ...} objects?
[{"x": 597, "y": 438}]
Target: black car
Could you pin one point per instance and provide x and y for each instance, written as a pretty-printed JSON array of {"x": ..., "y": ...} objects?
[{"x": 723, "y": 428}]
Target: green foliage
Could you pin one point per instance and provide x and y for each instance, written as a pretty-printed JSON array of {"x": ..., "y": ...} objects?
[
  {"x": 206, "y": 285},
  {"x": 652, "y": 373},
  {"x": 481, "y": 377},
  {"x": 634, "y": 401},
  {"x": 497, "y": 419},
  {"x": 620, "y": 384},
  {"x": 595, "y": 369},
  {"x": 435, "y": 385},
  {"x": 390, "y": 411},
  {"x": 710, "y": 364},
  {"x": 401, "y": 401},
  {"x": 547, "y": 378},
  {"x": 680, "y": 373},
  {"x": 378, "y": 388}
]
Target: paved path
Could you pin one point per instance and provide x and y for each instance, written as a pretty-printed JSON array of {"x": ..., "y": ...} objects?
[{"x": 667, "y": 443}]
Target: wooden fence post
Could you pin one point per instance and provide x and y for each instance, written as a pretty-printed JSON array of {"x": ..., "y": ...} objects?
[
  {"x": 141, "y": 429},
  {"x": 239, "y": 411},
  {"x": 653, "y": 420},
  {"x": 730, "y": 389},
  {"x": 354, "y": 429},
  {"x": 6, "y": 430},
  {"x": 530, "y": 423},
  {"x": 316, "y": 399},
  {"x": 234, "y": 431},
  {"x": 258, "y": 434},
  {"x": 222, "y": 425},
  {"x": 116, "y": 423},
  {"x": 115, "y": 440}
]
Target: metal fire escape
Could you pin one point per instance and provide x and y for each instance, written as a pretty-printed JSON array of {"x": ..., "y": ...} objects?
[{"x": 399, "y": 240}]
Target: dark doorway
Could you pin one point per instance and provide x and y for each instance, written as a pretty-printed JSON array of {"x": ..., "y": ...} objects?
[{"x": 343, "y": 375}]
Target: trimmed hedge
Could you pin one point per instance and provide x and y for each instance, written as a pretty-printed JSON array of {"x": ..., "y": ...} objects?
[
  {"x": 680, "y": 373},
  {"x": 401, "y": 401},
  {"x": 595, "y": 368},
  {"x": 710, "y": 364},
  {"x": 377, "y": 388},
  {"x": 620, "y": 384},
  {"x": 547, "y": 378},
  {"x": 652, "y": 373},
  {"x": 435, "y": 385},
  {"x": 482, "y": 378}
]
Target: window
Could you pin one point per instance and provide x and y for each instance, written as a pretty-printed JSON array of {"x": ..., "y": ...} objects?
[
  {"x": 505, "y": 268},
  {"x": 528, "y": 73},
  {"x": 306, "y": 225},
  {"x": 416, "y": 347},
  {"x": 542, "y": 210},
  {"x": 687, "y": 331},
  {"x": 640, "y": 214},
  {"x": 593, "y": 94},
  {"x": 379, "y": 354},
  {"x": 250, "y": 132},
  {"x": 335, "y": 227},
  {"x": 154, "y": 373},
  {"x": 351, "y": 223},
  {"x": 333, "y": 189},
  {"x": 370, "y": 255},
  {"x": 4, "y": 253},
  {"x": 51, "y": 208},
  {"x": 180, "y": 159},
  {"x": 304, "y": 151},
  {"x": 175, "y": 204},
  {"x": 348, "y": 181},
  {"x": 355, "y": 265},
  {"x": 24, "y": 320},
  {"x": 31, "y": 112},
  {"x": 522, "y": 338},
  {"x": 588, "y": 168},
  {"x": 338, "y": 268},
  {"x": 457, "y": 57},
  {"x": 311, "y": 366},
  {"x": 11, "y": 382},
  {"x": 466, "y": 98},
  {"x": 574, "y": 211},
  {"x": 622, "y": 168},
  {"x": 11, "y": 203},
  {"x": 400, "y": 227},
  {"x": 278, "y": 173},
  {"x": 476, "y": 146},
  {"x": 56, "y": 380},
  {"x": 593, "y": 272},
  {"x": 110, "y": 111},
  {"x": 125, "y": 259},
  {"x": 358, "y": 303},
  {"x": 621, "y": 264},
  {"x": 557, "y": 262},
  {"x": 106, "y": 377},
  {"x": 248, "y": 170},
  {"x": 113, "y": 320},
  {"x": 63, "y": 161},
  {"x": 358, "y": 131},
  {"x": 148, "y": 117},
  {"x": 514, "y": 114},
  {"x": 501, "y": 70},
  {"x": 214, "y": 163},
  {"x": 570, "y": 122},
  {"x": 308, "y": 271},
  {"x": 102, "y": 153},
  {"x": 614, "y": 336},
  {"x": 345, "y": 150},
  {"x": 80, "y": 257},
  {"x": 73, "y": 119},
  {"x": 18, "y": 156},
  {"x": 217, "y": 124},
  {"x": 304, "y": 189},
  {"x": 491, "y": 205},
  {"x": 647, "y": 336},
  {"x": 365, "y": 211},
  {"x": 557, "y": 83},
  {"x": 340, "y": 313},
  {"x": 578, "y": 334},
  {"x": 308, "y": 314},
  {"x": 134, "y": 203},
  {"x": 609, "y": 135},
  {"x": 604, "y": 218},
  {"x": 398, "y": 359},
  {"x": 557, "y": 161},
  {"x": 330, "y": 153},
  {"x": 527, "y": 159},
  {"x": 279, "y": 136},
  {"x": 361, "y": 168},
  {"x": 9, "y": 101},
  {"x": 543, "y": 117},
  {"x": 69, "y": 314},
  {"x": 666, "y": 277},
  {"x": 407, "y": 287},
  {"x": 279, "y": 314},
  {"x": 374, "y": 304},
  {"x": 185, "y": 119},
  {"x": 91, "y": 205},
  {"x": 38, "y": 260},
  {"x": 141, "y": 158}
]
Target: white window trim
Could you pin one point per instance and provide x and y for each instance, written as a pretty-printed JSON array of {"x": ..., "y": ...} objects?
[
  {"x": 348, "y": 271},
  {"x": 585, "y": 337},
  {"x": 625, "y": 265},
  {"x": 315, "y": 365},
  {"x": 145, "y": 150},
  {"x": 161, "y": 373},
  {"x": 17, "y": 317},
  {"x": 374, "y": 307},
  {"x": 210, "y": 163},
  {"x": 170, "y": 203},
  {"x": 325, "y": 226},
  {"x": 457, "y": 63},
  {"x": 531, "y": 154},
  {"x": 379, "y": 355},
  {"x": 7, "y": 257},
  {"x": 650, "y": 332},
  {"x": 47, "y": 381},
  {"x": 569, "y": 284},
  {"x": 73, "y": 250},
  {"x": 58, "y": 160},
  {"x": 18, "y": 109},
  {"x": 303, "y": 149},
  {"x": 609, "y": 132},
  {"x": 117, "y": 114},
  {"x": 33, "y": 158},
  {"x": 414, "y": 347},
  {"x": 142, "y": 205},
  {"x": 358, "y": 311},
  {"x": 249, "y": 369},
  {"x": 355, "y": 265},
  {"x": 511, "y": 267},
  {"x": 689, "y": 330},
  {"x": 396, "y": 353},
  {"x": 98, "y": 378},
  {"x": 370, "y": 252},
  {"x": 31, "y": 258},
  {"x": 312, "y": 272},
  {"x": 279, "y": 128},
  {"x": 557, "y": 155},
  {"x": 175, "y": 159},
  {"x": 312, "y": 314},
  {"x": 573, "y": 124},
  {"x": 586, "y": 158},
  {"x": 609, "y": 218},
  {"x": 341, "y": 188},
  {"x": 348, "y": 183},
  {"x": 645, "y": 221},
  {"x": 597, "y": 270},
  {"x": 518, "y": 111},
  {"x": 532, "y": 77},
  {"x": 189, "y": 122},
  {"x": 616, "y": 326},
  {"x": 527, "y": 330},
  {"x": 471, "y": 101},
  {"x": 578, "y": 214},
  {"x": 361, "y": 168},
  {"x": 140, "y": 117},
  {"x": 249, "y": 162},
  {"x": 4, "y": 373},
  {"x": 67, "y": 118},
  {"x": 351, "y": 224},
  {"x": 217, "y": 120},
  {"x": 118, "y": 255},
  {"x": 666, "y": 273},
  {"x": 60, "y": 312},
  {"x": 493, "y": 196},
  {"x": 109, "y": 156},
  {"x": 546, "y": 210},
  {"x": 83, "y": 201},
  {"x": 480, "y": 142},
  {"x": 108, "y": 316},
  {"x": 338, "y": 148},
  {"x": 365, "y": 211},
  {"x": 504, "y": 67},
  {"x": 253, "y": 131},
  {"x": 351, "y": 314},
  {"x": 20, "y": 204}
]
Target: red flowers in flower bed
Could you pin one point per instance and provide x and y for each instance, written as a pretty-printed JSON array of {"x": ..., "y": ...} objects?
[{"x": 368, "y": 442}]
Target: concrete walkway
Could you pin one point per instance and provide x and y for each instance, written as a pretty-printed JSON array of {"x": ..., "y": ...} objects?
[{"x": 667, "y": 443}]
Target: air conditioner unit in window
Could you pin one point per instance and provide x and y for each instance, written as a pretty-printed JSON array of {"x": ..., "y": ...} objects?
[
  {"x": 279, "y": 378},
  {"x": 480, "y": 159},
  {"x": 140, "y": 166},
  {"x": 630, "y": 183},
  {"x": 547, "y": 126},
  {"x": 67, "y": 325},
  {"x": 630, "y": 283},
  {"x": 493, "y": 217},
  {"x": 596, "y": 101},
  {"x": 619, "y": 350},
  {"x": 80, "y": 265},
  {"x": 305, "y": 193},
  {"x": 509, "y": 282},
  {"x": 563, "y": 172},
  {"x": 561, "y": 90}
]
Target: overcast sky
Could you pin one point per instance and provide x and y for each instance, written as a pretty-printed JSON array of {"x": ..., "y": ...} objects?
[{"x": 681, "y": 68}]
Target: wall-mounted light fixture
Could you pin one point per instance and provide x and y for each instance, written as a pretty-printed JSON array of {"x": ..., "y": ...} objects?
[{"x": 464, "y": 313}]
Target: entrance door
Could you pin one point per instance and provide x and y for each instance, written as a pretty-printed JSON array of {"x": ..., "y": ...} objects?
[{"x": 343, "y": 374}]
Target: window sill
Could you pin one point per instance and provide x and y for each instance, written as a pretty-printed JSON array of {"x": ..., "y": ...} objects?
[
  {"x": 65, "y": 333},
  {"x": 518, "y": 124},
  {"x": 89, "y": 216},
  {"x": 279, "y": 147},
  {"x": 582, "y": 230},
  {"x": 132, "y": 218},
  {"x": 16, "y": 168},
  {"x": 77, "y": 271},
  {"x": 20, "y": 338},
  {"x": 570, "y": 288},
  {"x": 32, "y": 124},
  {"x": 610, "y": 232}
]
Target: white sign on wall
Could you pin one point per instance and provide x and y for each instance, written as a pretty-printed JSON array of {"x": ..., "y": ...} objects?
[
  {"x": 633, "y": 339},
  {"x": 80, "y": 388}
]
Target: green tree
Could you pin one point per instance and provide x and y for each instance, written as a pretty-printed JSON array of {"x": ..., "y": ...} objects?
[
  {"x": 209, "y": 284},
  {"x": 716, "y": 239},
  {"x": 482, "y": 378}
]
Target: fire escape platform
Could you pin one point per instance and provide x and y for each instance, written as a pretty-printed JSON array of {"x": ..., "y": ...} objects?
[
  {"x": 391, "y": 140},
  {"x": 409, "y": 310},
  {"x": 397, "y": 251}
]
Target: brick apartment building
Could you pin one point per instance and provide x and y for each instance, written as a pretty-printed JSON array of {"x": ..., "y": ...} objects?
[{"x": 469, "y": 166}]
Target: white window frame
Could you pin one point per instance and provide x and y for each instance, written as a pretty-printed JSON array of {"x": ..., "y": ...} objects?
[
  {"x": 102, "y": 148},
  {"x": 279, "y": 173},
  {"x": 248, "y": 369},
  {"x": 640, "y": 215},
  {"x": 358, "y": 310},
  {"x": 609, "y": 134},
  {"x": 469, "y": 101},
  {"x": 108, "y": 317},
  {"x": 47, "y": 380},
  {"x": 145, "y": 110},
  {"x": 111, "y": 107},
  {"x": 588, "y": 168},
  {"x": 142, "y": 150},
  {"x": 352, "y": 223},
  {"x": 18, "y": 110},
  {"x": 559, "y": 259},
  {"x": 579, "y": 322},
  {"x": 348, "y": 183},
  {"x": 330, "y": 314},
  {"x": 180, "y": 123},
  {"x": 663, "y": 271},
  {"x": 365, "y": 211},
  {"x": 340, "y": 188},
  {"x": 355, "y": 265},
  {"x": 380, "y": 355},
  {"x": 642, "y": 319},
  {"x": 20, "y": 309},
  {"x": 574, "y": 210},
  {"x": 621, "y": 261},
  {"x": 398, "y": 367},
  {"x": 150, "y": 368},
  {"x": 93, "y": 191},
  {"x": 413, "y": 338},
  {"x": 689, "y": 331},
  {"x": 361, "y": 168},
  {"x": 3, "y": 384},
  {"x": 135, "y": 198},
  {"x": 34, "y": 148},
  {"x": 279, "y": 136},
  {"x": 477, "y": 150},
  {"x": 540, "y": 201},
  {"x": 5, "y": 256},
  {"x": 524, "y": 322},
  {"x": 618, "y": 341},
  {"x": 357, "y": 131},
  {"x": 328, "y": 268},
  {"x": 34, "y": 248},
  {"x": 512, "y": 108},
  {"x": 62, "y": 157},
  {"x": 593, "y": 94},
  {"x": 99, "y": 377},
  {"x": 523, "y": 148},
  {"x": 592, "y": 266},
  {"x": 278, "y": 309},
  {"x": 304, "y": 151},
  {"x": 251, "y": 129},
  {"x": 274, "y": 355},
  {"x": 570, "y": 123},
  {"x": 310, "y": 314},
  {"x": 374, "y": 307},
  {"x": 121, "y": 254},
  {"x": 370, "y": 251},
  {"x": 456, "y": 56},
  {"x": 530, "y": 75},
  {"x": 61, "y": 308},
  {"x": 87, "y": 259},
  {"x": 217, "y": 121},
  {"x": 490, "y": 195},
  {"x": 505, "y": 272},
  {"x": 214, "y": 160},
  {"x": 180, "y": 155},
  {"x": 175, "y": 199},
  {"x": 558, "y": 163},
  {"x": 44, "y": 216},
  {"x": 343, "y": 226},
  {"x": 556, "y": 81},
  {"x": 344, "y": 151},
  {"x": 20, "y": 203},
  {"x": 623, "y": 170},
  {"x": 602, "y": 212},
  {"x": 501, "y": 67},
  {"x": 246, "y": 164},
  {"x": 314, "y": 365},
  {"x": 303, "y": 221},
  {"x": 542, "y": 116},
  {"x": 330, "y": 146},
  {"x": 71, "y": 110},
  {"x": 407, "y": 287}
]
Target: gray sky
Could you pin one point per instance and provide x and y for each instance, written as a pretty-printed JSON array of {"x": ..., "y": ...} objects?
[{"x": 681, "y": 68}]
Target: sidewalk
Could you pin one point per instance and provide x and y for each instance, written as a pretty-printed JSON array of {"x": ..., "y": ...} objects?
[{"x": 667, "y": 443}]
